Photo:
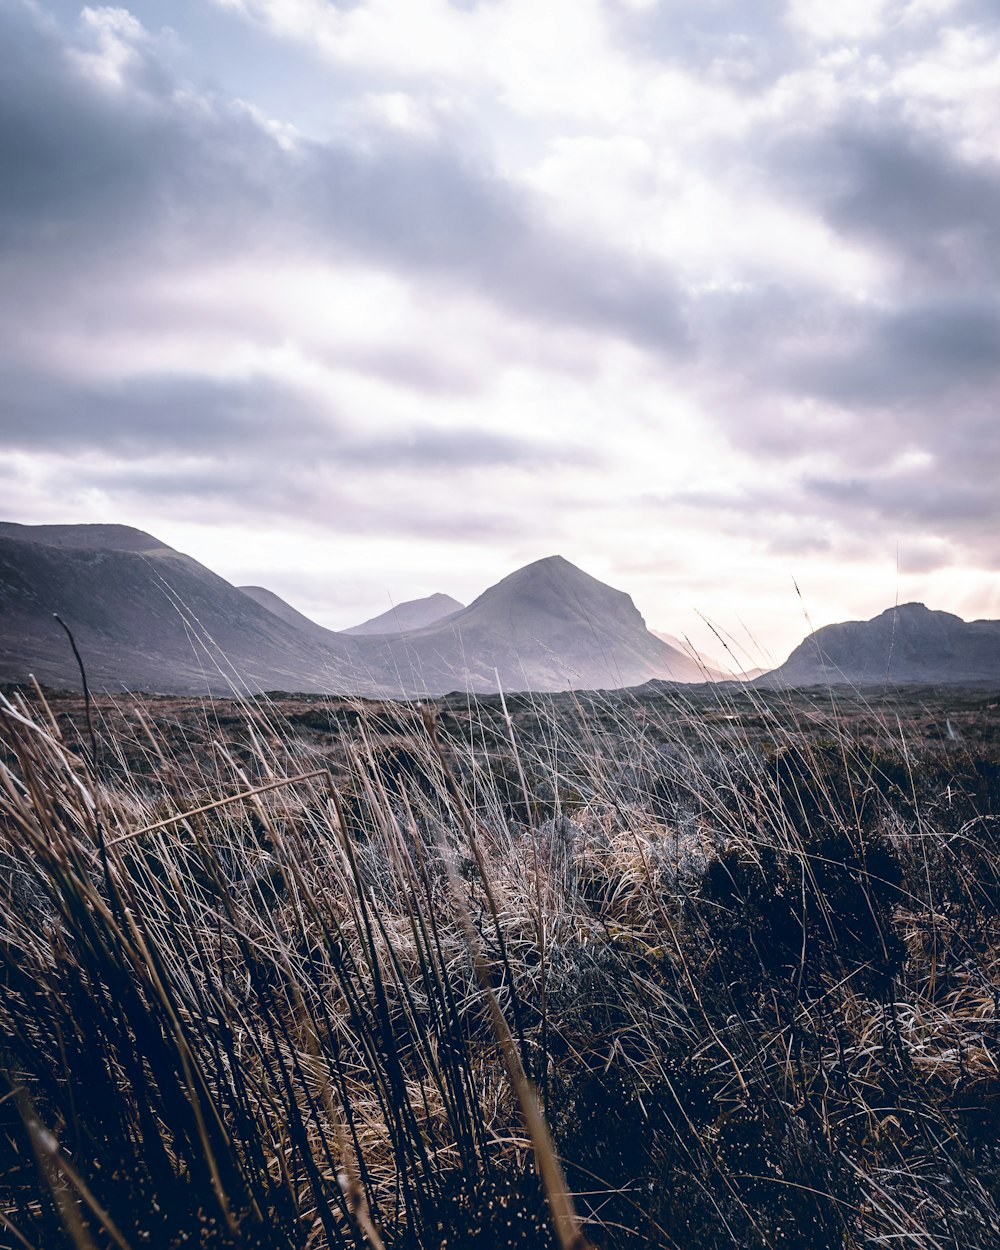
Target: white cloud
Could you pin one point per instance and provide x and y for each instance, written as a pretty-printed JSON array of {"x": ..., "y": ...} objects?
[
  {"x": 843, "y": 20},
  {"x": 953, "y": 88},
  {"x": 115, "y": 36}
]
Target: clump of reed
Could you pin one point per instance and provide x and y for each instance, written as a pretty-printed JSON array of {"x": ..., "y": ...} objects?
[{"x": 462, "y": 985}]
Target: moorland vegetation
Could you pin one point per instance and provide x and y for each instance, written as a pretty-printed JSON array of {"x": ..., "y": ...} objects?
[{"x": 619, "y": 970}]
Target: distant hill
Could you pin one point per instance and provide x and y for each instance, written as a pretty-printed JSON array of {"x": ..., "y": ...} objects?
[
  {"x": 413, "y": 614},
  {"x": 905, "y": 645},
  {"x": 276, "y": 605},
  {"x": 147, "y": 617},
  {"x": 285, "y": 612},
  {"x": 547, "y": 626},
  {"x": 714, "y": 670}
]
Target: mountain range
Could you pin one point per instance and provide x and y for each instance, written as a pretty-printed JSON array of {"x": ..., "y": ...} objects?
[{"x": 147, "y": 617}]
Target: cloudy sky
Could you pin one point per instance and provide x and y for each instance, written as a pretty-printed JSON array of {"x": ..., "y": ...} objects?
[{"x": 360, "y": 298}]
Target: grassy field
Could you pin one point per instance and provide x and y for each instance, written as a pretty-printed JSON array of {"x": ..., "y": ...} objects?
[{"x": 679, "y": 968}]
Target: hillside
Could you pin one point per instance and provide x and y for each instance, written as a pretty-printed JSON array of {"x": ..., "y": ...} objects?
[
  {"x": 91, "y": 537},
  {"x": 278, "y": 607},
  {"x": 144, "y": 617},
  {"x": 909, "y": 644}
]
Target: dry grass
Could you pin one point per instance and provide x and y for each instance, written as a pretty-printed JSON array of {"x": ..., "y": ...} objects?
[{"x": 260, "y": 992}]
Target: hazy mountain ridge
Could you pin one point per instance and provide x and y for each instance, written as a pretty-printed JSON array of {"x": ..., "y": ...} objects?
[
  {"x": 148, "y": 617},
  {"x": 412, "y": 614},
  {"x": 904, "y": 645},
  {"x": 280, "y": 608},
  {"x": 547, "y": 626}
]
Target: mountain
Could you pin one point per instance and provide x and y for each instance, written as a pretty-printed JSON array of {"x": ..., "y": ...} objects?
[
  {"x": 413, "y": 614},
  {"x": 285, "y": 612},
  {"x": 714, "y": 671},
  {"x": 147, "y": 617},
  {"x": 548, "y": 626},
  {"x": 144, "y": 617},
  {"x": 909, "y": 644}
]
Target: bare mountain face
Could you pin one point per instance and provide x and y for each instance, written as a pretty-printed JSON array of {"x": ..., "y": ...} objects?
[
  {"x": 148, "y": 618},
  {"x": 548, "y": 626},
  {"x": 413, "y": 614},
  {"x": 145, "y": 617},
  {"x": 906, "y": 645}
]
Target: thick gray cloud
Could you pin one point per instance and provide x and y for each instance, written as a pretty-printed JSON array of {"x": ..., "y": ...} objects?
[
  {"x": 910, "y": 374},
  {"x": 883, "y": 180},
  {"x": 903, "y": 403},
  {"x": 152, "y": 415},
  {"x": 85, "y": 169},
  {"x": 324, "y": 497},
  {"x": 944, "y": 512},
  {"x": 911, "y": 370},
  {"x": 89, "y": 179},
  {"x": 914, "y": 357},
  {"x": 244, "y": 422},
  {"x": 923, "y": 497},
  {"x": 449, "y": 450},
  {"x": 421, "y": 206}
]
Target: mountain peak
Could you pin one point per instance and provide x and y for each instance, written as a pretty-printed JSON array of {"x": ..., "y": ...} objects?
[
  {"x": 555, "y": 573},
  {"x": 908, "y": 643},
  {"x": 909, "y": 609},
  {"x": 555, "y": 590},
  {"x": 547, "y": 566},
  {"x": 918, "y": 616},
  {"x": 413, "y": 614}
]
